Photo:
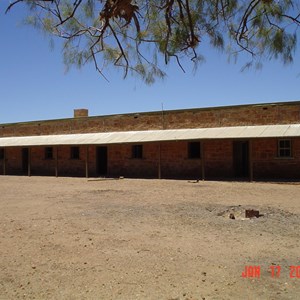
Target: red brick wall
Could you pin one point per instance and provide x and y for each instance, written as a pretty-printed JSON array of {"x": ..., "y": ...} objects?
[
  {"x": 267, "y": 164},
  {"x": 175, "y": 162},
  {"x": 281, "y": 113},
  {"x": 68, "y": 166},
  {"x": 173, "y": 157},
  {"x": 218, "y": 157},
  {"x": 121, "y": 163},
  {"x": 40, "y": 165},
  {"x": 13, "y": 161}
]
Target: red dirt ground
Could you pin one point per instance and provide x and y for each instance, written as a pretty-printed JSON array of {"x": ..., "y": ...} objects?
[{"x": 71, "y": 238}]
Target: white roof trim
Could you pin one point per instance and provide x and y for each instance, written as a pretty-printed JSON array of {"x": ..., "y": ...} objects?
[{"x": 104, "y": 138}]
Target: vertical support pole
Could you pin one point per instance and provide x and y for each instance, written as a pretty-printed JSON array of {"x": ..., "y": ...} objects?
[
  {"x": 250, "y": 161},
  {"x": 56, "y": 161},
  {"x": 29, "y": 161},
  {"x": 4, "y": 161},
  {"x": 159, "y": 160},
  {"x": 87, "y": 161},
  {"x": 202, "y": 160}
]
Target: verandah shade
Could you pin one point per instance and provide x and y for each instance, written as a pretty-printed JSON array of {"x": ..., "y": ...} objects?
[{"x": 104, "y": 138}]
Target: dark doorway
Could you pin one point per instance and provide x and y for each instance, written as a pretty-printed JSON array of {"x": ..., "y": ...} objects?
[
  {"x": 101, "y": 161},
  {"x": 25, "y": 160},
  {"x": 241, "y": 159}
]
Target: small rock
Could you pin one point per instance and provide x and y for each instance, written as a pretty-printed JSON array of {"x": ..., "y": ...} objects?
[{"x": 231, "y": 216}]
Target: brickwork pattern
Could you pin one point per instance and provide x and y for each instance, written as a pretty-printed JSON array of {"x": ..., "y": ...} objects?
[
  {"x": 172, "y": 157},
  {"x": 282, "y": 113},
  {"x": 267, "y": 164}
]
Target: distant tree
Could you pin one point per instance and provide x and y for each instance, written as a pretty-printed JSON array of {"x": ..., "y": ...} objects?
[{"x": 138, "y": 36}]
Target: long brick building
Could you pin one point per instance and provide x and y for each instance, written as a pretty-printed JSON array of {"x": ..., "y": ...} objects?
[{"x": 251, "y": 142}]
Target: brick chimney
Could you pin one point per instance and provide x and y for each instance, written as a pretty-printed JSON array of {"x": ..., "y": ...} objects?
[{"x": 82, "y": 112}]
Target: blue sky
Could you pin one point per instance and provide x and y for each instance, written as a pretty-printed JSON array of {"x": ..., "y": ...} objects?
[{"x": 35, "y": 86}]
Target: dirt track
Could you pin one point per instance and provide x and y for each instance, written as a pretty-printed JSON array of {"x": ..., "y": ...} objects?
[{"x": 69, "y": 238}]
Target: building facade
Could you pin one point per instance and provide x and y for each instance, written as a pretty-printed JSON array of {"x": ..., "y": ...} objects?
[{"x": 250, "y": 142}]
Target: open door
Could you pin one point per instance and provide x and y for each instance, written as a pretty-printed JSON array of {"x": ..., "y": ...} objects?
[
  {"x": 241, "y": 159},
  {"x": 101, "y": 161},
  {"x": 25, "y": 160}
]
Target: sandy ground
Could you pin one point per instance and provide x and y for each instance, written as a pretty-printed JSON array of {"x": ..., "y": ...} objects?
[{"x": 70, "y": 238}]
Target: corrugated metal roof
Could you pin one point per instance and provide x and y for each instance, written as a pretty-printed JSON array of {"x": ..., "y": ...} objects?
[{"x": 238, "y": 132}]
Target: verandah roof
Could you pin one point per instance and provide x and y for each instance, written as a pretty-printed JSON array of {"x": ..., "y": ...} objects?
[{"x": 104, "y": 138}]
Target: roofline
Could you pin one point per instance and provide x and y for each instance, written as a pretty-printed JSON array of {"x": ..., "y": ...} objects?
[
  {"x": 158, "y": 112},
  {"x": 128, "y": 137}
]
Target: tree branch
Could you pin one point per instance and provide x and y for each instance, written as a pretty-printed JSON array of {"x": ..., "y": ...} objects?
[{"x": 18, "y": 1}]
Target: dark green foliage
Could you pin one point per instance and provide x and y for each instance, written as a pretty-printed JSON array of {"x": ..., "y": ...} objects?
[{"x": 141, "y": 36}]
